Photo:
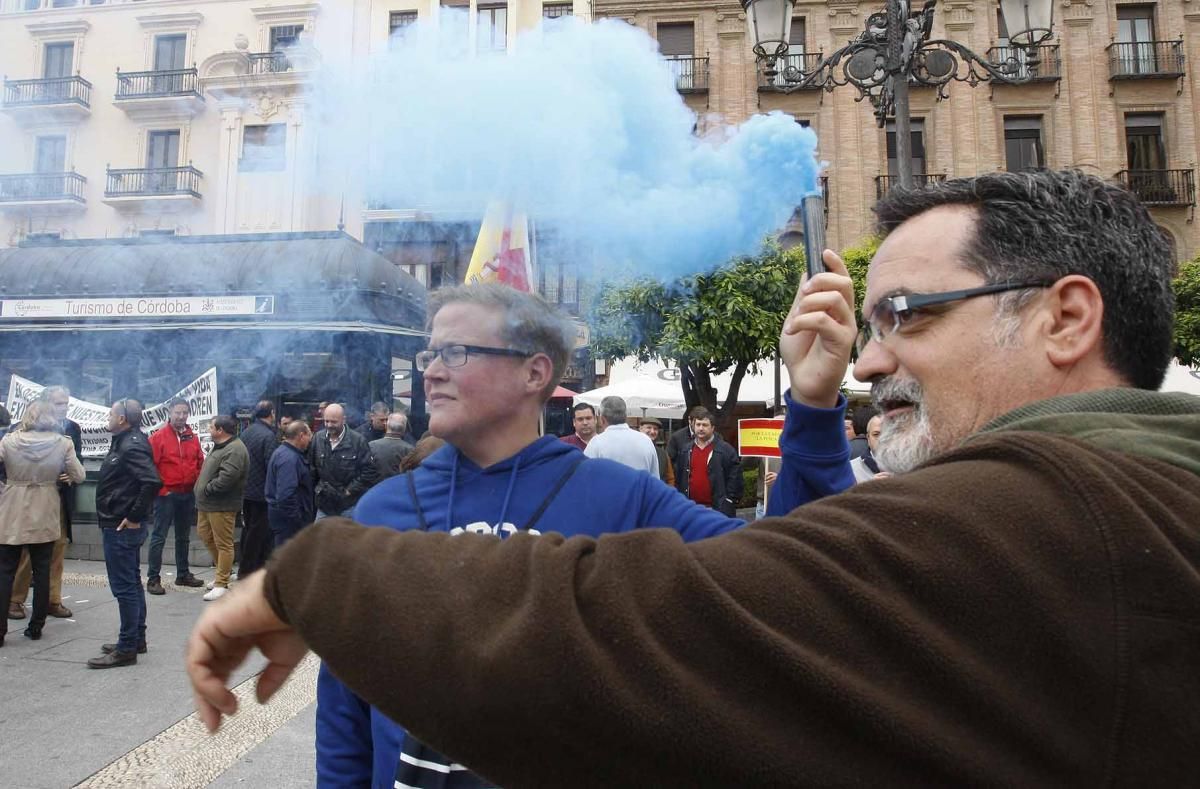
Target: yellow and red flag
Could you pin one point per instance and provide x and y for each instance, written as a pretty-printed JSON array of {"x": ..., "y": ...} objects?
[{"x": 502, "y": 250}]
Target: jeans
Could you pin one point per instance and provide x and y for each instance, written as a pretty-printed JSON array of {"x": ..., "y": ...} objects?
[
  {"x": 282, "y": 527},
  {"x": 257, "y": 539},
  {"x": 39, "y": 555},
  {"x": 174, "y": 508},
  {"x": 122, "y": 558}
]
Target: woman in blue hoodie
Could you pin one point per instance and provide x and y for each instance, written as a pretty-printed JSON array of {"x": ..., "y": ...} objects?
[{"x": 494, "y": 357}]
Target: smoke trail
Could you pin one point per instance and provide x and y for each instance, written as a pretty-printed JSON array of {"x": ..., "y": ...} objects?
[{"x": 582, "y": 125}]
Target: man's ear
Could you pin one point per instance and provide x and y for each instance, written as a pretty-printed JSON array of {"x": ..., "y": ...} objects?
[
  {"x": 540, "y": 372},
  {"x": 1074, "y": 317}
]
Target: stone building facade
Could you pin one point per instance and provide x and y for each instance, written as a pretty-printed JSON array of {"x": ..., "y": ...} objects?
[{"x": 1114, "y": 95}]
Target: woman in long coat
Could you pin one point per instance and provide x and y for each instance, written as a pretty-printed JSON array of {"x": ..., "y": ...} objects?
[{"x": 34, "y": 457}]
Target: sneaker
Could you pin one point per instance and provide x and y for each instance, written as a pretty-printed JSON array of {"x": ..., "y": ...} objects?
[
  {"x": 216, "y": 593},
  {"x": 113, "y": 660},
  {"x": 188, "y": 580},
  {"x": 16, "y": 611},
  {"x": 108, "y": 649},
  {"x": 154, "y": 586},
  {"x": 59, "y": 611}
]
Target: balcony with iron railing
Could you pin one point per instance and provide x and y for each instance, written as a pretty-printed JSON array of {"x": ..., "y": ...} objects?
[
  {"x": 42, "y": 190},
  {"x": 1161, "y": 187},
  {"x": 886, "y": 183},
  {"x": 157, "y": 187},
  {"x": 152, "y": 93},
  {"x": 691, "y": 73},
  {"x": 49, "y": 98},
  {"x": 1145, "y": 60},
  {"x": 268, "y": 62},
  {"x": 805, "y": 63},
  {"x": 1048, "y": 67}
]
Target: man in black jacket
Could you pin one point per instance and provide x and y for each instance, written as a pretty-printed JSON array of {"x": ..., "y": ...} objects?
[
  {"x": 387, "y": 452},
  {"x": 260, "y": 440},
  {"x": 127, "y": 486},
  {"x": 60, "y": 398},
  {"x": 341, "y": 465},
  {"x": 708, "y": 471}
]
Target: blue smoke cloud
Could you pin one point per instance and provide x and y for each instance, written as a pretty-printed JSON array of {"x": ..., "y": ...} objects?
[{"x": 581, "y": 125}]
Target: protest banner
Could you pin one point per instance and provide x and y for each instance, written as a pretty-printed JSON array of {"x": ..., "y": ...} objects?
[{"x": 200, "y": 394}]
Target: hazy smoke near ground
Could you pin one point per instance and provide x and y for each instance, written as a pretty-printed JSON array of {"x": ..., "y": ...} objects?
[{"x": 579, "y": 124}]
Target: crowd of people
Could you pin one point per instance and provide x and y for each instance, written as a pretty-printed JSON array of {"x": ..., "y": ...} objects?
[
  {"x": 275, "y": 478},
  {"x": 1015, "y": 601}
]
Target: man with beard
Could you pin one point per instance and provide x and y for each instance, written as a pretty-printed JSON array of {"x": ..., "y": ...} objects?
[
  {"x": 1018, "y": 605},
  {"x": 341, "y": 462}
]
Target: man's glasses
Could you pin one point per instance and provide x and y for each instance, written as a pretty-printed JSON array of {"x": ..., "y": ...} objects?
[
  {"x": 892, "y": 312},
  {"x": 456, "y": 355}
]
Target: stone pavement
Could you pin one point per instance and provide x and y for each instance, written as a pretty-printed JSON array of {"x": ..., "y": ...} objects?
[{"x": 64, "y": 725}]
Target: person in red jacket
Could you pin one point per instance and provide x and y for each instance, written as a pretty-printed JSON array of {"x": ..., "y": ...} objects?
[{"x": 178, "y": 458}]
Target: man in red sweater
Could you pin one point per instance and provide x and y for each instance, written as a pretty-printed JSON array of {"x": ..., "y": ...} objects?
[{"x": 178, "y": 458}]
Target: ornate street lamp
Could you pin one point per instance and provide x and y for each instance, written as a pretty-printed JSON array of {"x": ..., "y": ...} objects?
[{"x": 894, "y": 51}]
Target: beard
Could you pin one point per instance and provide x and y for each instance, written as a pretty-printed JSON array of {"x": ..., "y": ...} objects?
[{"x": 906, "y": 439}]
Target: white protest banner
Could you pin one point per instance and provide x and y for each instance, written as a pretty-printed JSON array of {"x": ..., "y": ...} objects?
[{"x": 200, "y": 394}]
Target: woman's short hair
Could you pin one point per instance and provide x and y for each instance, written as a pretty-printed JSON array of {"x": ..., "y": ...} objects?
[{"x": 39, "y": 416}]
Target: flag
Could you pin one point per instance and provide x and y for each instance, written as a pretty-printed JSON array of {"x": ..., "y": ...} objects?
[{"x": 502, "y": 250}]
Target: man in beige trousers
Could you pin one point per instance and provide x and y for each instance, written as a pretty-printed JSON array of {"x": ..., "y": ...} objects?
[{"x": 219, "y": 497}]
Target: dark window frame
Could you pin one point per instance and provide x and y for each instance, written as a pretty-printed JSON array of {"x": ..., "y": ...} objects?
[{"x": 268, "y": 153}]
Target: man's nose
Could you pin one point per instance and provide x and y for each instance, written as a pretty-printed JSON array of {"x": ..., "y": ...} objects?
[{"x": 874, "y": 361}]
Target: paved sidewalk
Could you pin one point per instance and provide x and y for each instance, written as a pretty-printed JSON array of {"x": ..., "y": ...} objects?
[{"x": 64, "y": 725}]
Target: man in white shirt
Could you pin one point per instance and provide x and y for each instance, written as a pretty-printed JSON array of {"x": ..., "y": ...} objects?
[{"x": 620, "y": 442}]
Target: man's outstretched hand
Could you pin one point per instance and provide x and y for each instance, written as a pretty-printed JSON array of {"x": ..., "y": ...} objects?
[
  {"x": 224, "y": 636},
  {"x": 818, "y": 335}
]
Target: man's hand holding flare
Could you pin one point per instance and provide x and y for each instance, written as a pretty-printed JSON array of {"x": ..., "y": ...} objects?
[{"x": 819, "y": 333}]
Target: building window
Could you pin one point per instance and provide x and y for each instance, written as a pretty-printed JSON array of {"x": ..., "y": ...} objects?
[
  {"x": 917, "y": 127},
  {"x": 162, "y": 149},
  {"x": 677, "y": 39},
  {"x": 1023, "y": 144},
  {"x": 59, "y": 61},
  {"x": 556, "y": 10},
  {"x": 401, "y": 20},
  {"x": 492, "y": 29},
  {"x": 1144, "y": 146},
  {"x": 1135, "y": 39},
  {"x": 796, "y": 37},
  {"x": 285, "y": 36},
  {"x": 170, "y": 52},
  {"x": 264, "y": 148},
  {"x": 51, "y": 154}
]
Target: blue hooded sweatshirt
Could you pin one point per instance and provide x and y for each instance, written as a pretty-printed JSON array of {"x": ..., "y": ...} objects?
[{"x": 357, "y": 746}]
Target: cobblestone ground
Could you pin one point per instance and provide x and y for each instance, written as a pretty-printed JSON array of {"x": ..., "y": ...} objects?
[{"x": 63, "y": 725}]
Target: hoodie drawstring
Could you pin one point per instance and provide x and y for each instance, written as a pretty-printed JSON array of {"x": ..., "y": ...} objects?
[{"x": 512, "y": 483}]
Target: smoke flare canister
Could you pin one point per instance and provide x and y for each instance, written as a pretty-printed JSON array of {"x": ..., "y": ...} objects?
[{"x": 812, "y": 213}]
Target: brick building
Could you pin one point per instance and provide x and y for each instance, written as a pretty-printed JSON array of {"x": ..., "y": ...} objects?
[{"x": 1114, "y": 95}]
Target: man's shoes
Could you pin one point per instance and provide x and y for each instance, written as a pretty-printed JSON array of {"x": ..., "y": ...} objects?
[
  {"x": 16, "y": 611},
  {"x": 33, "y": 633},
  {"x": 216, "y": 593},
  {"x": 188, "y": 580},
  {"x": 108, "y": 649},
  {"x": 154, "y": 586},
  {"x": 113, "y": 660},
  {"x": 59, "y": 611}
]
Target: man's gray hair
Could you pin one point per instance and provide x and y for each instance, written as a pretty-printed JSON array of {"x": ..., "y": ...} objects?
[
  {"x": 50, "y": 391},
  {"x": 1045, "y": 225},
  {"x": 396, "y": 425},
  {"x": 530, "y": 323},
  {"x": 613, "y": 409}
]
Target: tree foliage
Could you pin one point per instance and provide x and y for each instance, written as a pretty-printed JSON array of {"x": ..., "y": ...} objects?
[
  {"x": 1187, "y": 313},
  {"x": 711, "y": 323}
]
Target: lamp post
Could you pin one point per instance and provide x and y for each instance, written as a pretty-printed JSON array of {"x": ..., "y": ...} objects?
[{"x": 894, "y": 51}]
